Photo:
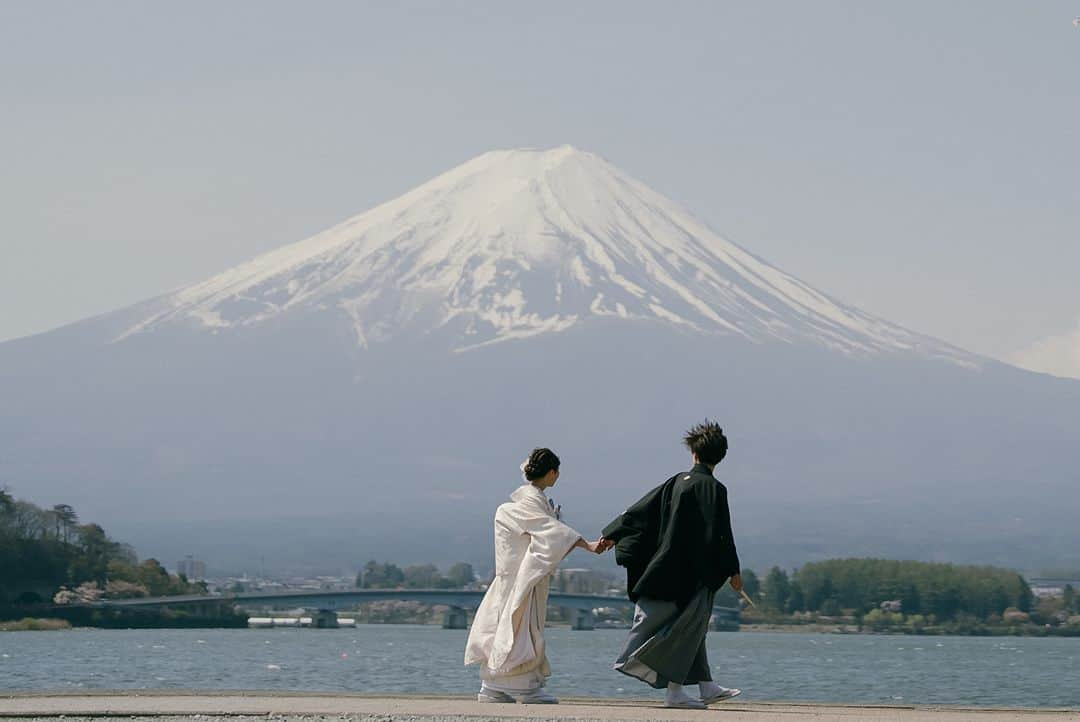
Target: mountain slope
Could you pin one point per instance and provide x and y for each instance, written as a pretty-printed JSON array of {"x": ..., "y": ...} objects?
[{"x": 517, "y": 243}]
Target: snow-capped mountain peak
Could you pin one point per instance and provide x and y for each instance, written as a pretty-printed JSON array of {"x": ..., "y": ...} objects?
[{"x": 522, "y": 242}]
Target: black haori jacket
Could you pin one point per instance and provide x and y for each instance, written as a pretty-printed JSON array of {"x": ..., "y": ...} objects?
[{"x": 676, "y": 539}]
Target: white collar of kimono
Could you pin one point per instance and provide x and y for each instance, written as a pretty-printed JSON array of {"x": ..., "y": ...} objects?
[{"x": 526, "y": 490}]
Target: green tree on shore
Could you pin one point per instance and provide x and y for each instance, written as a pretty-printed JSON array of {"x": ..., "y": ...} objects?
[
  {"x": 423, "y": 576},
  {"x": 460, "y": 575},
  {"x": 66, "y": 519},
  {"x": 7, "y": 502},
  {"x": 775, "y": 590},
  {"x": 796, "y": 602},
  {"x": 751, "y": 584},
  {"x": 380, "y": 576}
]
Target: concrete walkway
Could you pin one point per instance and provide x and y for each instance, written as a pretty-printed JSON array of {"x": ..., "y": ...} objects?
[{"x": 209, "y": 706}]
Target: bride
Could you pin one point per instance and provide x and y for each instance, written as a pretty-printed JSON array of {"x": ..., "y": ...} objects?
[{"x": 507, "y": 636}]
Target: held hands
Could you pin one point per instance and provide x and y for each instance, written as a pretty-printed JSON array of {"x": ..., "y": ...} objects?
[
  {"x": 736, "y": 582},
  {"x": 599, "y": 546}
]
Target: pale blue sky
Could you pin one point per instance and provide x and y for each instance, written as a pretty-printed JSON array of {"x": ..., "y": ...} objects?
[{"x": 918, "y": 159}]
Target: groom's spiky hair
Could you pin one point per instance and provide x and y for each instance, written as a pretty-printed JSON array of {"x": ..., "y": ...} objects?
[{"x": 707, "y": 441}]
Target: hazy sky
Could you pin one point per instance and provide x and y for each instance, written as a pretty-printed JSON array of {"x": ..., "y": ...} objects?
[{"x": 918, "y": 159}]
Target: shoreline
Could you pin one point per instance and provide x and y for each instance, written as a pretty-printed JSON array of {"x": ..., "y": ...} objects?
[
  {"x": 35, "y": 624},
  {"x": 205, "y": 706},
  {"x": 48, "y": 624}
]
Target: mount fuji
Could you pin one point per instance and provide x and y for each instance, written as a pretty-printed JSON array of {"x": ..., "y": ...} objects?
[
  {"x": 369, "y": 392},
  {"x": 515, "y": 244}
]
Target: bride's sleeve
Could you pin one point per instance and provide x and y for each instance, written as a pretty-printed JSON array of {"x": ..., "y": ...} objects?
[{"x": 549, "y": 539}]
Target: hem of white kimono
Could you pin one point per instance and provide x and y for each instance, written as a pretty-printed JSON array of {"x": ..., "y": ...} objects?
[{"x": 514, "y": 684}]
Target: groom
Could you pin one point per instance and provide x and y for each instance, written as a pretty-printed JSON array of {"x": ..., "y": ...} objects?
[{"x": 677, "y": 547}]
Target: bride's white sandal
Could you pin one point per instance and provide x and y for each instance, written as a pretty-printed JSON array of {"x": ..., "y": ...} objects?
[
  {"x": 539, "y": 696},
  {"x": 493, "y": 696}
]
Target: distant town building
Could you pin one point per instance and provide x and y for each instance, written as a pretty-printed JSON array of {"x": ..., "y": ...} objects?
[
  {"x": 892, "y": 605},
  {"x": 582, "y": 581},
  {"x": 1049, "y": 587},
  {"x": 191, "y": 568}
]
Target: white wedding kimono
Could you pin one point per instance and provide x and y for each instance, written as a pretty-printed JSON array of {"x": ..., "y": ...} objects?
[{"x": 507, "y": 636}]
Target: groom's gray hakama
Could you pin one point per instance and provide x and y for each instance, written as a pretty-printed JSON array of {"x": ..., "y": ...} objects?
[
  {"x": 656, "y": 651},
  {"x": 678, "y": 550}
]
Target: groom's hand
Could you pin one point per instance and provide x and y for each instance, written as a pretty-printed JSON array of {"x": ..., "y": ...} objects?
[
  {"x": 604, "y": 545},
  {"x": 736, "y": 582}
]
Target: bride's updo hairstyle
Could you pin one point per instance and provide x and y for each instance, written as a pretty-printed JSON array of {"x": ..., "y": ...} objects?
[{"x": 539, "y": 463}]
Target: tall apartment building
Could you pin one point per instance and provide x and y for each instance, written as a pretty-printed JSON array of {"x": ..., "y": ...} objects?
[{"x": 191, "y": 568}]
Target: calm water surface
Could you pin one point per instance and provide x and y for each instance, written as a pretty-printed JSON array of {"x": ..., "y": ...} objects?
[{"x": 383, "y": 658}]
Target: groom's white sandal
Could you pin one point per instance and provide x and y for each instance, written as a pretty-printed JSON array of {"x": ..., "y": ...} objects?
[
  {"x": 676, "y": 698},
  {"x": 712, "y": 692}
]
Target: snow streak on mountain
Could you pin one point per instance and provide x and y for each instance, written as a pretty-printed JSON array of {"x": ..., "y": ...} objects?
[{"x": 517, "y": 243}]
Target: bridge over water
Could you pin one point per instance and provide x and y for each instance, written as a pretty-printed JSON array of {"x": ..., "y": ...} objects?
[{"x": 327, "y": 603}]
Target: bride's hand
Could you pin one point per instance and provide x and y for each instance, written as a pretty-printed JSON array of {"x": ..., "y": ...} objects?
[{"x": 596, "y": 547}]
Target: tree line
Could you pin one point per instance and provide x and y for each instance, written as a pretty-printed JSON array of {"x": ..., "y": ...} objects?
[
  {"x": 937, "y": 591},
  {"x": 385, "y": 575},
  {"x": 43, "y": 550},
  {"x": 859, "y": 586}
]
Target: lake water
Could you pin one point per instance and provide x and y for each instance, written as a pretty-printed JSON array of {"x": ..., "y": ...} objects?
[{"x": 1025, "y": 672}]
